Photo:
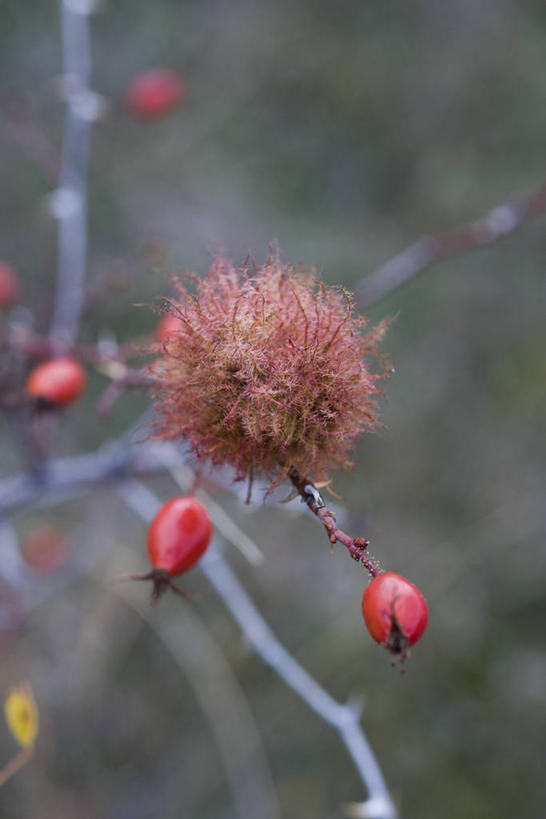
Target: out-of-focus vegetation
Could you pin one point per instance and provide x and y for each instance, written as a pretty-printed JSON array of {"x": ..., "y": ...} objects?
[{"x": 343, "y": 131}]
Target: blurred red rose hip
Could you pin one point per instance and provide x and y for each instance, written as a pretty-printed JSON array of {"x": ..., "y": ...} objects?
[
  {"x": 167, "y": 327},
  {"x": 59, "y": 381},
  {"x": 154, "y": 93},
  {"x": 45, "y": 548}
]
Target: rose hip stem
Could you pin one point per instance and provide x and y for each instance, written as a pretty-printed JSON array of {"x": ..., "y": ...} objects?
[{"x": 356, "y": 545}]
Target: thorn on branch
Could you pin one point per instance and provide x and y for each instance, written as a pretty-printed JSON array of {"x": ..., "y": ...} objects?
[
  {"x": 313, "y": 493},
  {"x": 356, "y": 546}
]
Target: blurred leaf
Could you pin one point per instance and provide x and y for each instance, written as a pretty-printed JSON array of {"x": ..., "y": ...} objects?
[{"x": 22, "y": 714}]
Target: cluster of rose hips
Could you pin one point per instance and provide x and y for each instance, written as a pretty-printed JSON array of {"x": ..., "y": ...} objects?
[
  {"x": 394, "y": 610},
  {"x": 60, "y": 381}
]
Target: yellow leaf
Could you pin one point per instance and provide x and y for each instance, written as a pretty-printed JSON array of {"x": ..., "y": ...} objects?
[{"x": 22, "y": 714}]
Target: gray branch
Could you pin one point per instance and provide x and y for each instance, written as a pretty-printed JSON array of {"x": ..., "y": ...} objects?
[
  {"x": 69, "y": 201},
  {"x": 65, "y": 477},
  {"x": 344, "y": 718},
  {"x": 495, "y": 225}
]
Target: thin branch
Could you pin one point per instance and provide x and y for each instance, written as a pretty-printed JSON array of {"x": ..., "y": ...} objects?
[
  {"x": 22, "y": 339},
  {"x": 109, "y": 359},
  {"x": 495, "y": 225},
  {"x": 114, "y": 462},
  {"x": 30, "y": 139},
  {"x": 69, "y": 201},
  {"x": 356, "y": 546},
  {"x": 66, "y": 476},
  {"x": 344, "y": 718},
  {"x": 198, "y": 655},
  {"x": 13, "y": 568},
  {"x": 15, "y": 765}
]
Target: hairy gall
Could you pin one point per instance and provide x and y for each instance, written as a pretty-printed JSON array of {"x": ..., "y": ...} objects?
[{"x": 268, "y": 370}]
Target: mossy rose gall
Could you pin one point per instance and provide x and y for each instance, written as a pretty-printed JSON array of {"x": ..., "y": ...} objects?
[{"x": 268, "y": 370}]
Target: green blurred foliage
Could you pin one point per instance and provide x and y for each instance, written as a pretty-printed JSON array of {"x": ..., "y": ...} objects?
[{"x": 343, "y": 131}]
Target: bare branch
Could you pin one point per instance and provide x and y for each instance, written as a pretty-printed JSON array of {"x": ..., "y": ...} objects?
[
  {"x": 14, "y": 569},
  {"x": 202, "y": 661},
  {"x": 495, "y": 225},
  {"x": 69, "y": 202},
  {"x": 71, "y": 475},
  {"x": 15, "y": 765},
  {"x": 344, "y": 718},
  {"x": 109, "y": 359}
]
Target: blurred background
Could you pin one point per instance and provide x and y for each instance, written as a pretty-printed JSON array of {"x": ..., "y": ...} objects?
[{"x": 343, "y": 131}]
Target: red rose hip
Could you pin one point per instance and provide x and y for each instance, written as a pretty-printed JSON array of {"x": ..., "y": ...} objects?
[
  {"x": 45, "y": 548},
  {"x": 167, "y": 327},
  {"x": 395, "y": 612},
  {"x": 154, "y": 93},
  {"x": 178, "y": 535},
  {"x": 58, "y": 382}
]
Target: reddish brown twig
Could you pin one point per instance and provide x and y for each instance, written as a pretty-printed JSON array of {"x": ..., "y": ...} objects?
[
  {"x": 15, "y": 765},
  {"x": 495, "y": 225},
  {"x": 36, "y": 345},
  {"x": 30, "y": 137},
  {"x": 123, "y": 379},
  {"x": 356, "y": 546}
]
